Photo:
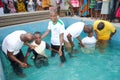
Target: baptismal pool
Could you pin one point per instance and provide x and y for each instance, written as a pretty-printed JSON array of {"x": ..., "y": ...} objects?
[{"x": 96, "y": 66}]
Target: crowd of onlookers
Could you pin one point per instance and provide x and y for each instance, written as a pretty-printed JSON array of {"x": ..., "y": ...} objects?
[
  {"x": 16, "y": 6},
  {"x": 102, "y": 9},
  {"x": 96, "y": 9}
]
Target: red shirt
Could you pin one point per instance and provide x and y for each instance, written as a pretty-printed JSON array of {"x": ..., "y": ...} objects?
[{"x": 1, "y": 3}]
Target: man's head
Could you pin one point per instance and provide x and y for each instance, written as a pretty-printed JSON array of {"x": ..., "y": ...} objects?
[
  {"x": 37, "y": 36},
  {"x": 28, "y": 37},
  {"x": 100, "y": 26},
  {"x": 88, "y": 29}
]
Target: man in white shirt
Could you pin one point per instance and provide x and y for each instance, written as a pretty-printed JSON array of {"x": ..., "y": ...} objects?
[
  {"x": 56, "y": 26},
  {"x": 74, "y": 31},
  {"x": 12, "y": 45}
]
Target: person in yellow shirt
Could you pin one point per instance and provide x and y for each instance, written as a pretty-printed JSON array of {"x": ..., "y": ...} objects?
[
  {"x": 20, "y": 6},
  {"x": 104, "y": 31},
  {"x": 45, "y": 4}
]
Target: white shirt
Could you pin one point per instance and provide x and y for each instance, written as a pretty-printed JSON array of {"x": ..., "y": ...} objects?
[
  {"x": 39, "y": 2},
  {"x": 89, "y": 41},
  {"x": 75, "y": 30},
  {"x": 40, "y": 49},
  {"x": 31, "y": 2},
  {"x": 12, "y": 42},
  {"x": 62, "y": 4},
  {"x": 56, "y": 30},
  {"x": 1, "y": 11}
]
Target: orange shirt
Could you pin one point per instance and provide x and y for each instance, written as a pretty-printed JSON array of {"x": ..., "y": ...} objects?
[{"x": 45, "y": 3}]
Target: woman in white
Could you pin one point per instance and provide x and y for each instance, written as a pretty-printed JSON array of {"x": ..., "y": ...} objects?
[
  {"x": 105, "y": 9},
  {"x": 30, "y": 6}
]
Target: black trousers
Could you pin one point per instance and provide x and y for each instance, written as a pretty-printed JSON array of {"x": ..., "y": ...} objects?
[
  {"x": 16, "y": 67},
  {"x": 40, "y": 60},
  {"x": 56, "y": 47}
]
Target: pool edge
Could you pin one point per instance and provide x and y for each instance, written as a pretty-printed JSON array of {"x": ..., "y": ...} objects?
[{"x": 2, "y": 76}]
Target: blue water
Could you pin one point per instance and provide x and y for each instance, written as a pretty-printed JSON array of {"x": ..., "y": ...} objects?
[{"x": 96, "y": 66}]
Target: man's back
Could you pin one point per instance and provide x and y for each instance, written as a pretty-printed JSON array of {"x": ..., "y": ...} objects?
[{"x": 12, "y": 42}]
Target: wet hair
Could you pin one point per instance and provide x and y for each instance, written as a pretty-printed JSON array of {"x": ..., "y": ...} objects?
[
  {"x": 89, "y": 28},
  {"x": 29, "y": 37},
  {"x": 100, "y": 26},
  {"x": 37, "y": 32}
]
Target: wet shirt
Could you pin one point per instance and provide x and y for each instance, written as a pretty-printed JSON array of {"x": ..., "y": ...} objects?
[{"x": 89, "y": 41}]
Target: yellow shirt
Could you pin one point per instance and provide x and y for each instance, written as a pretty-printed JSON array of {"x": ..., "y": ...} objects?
[
  {"x": 45, "y": 3},
  {"x": 20, "y": 6},
  {"x": 105, "y": 33}
]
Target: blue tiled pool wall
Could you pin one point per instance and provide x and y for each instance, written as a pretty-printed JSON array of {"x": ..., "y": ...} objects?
[
  {"x": 2, "y": 77},
  {"x": 1, "y": 72},
  {"x": 38, "y": 26}
]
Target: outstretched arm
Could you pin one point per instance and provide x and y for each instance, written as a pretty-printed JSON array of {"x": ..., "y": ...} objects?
[
  {"x": 69, "y": 37},
  {"x": 27, "y": 54},
  {"x": 29, "y": 45},
  {"x": 55, "y": 51},
  {"x": 48, "y": 47},
  {"x": 45, "y": 34},
  {"x": 80, "y": 42},
  {"x": 61, "y": 41},
  {"x": 26, "y": 57},
  {"x": 96, "y": 34},
  {"x": 112, "y": 34}
]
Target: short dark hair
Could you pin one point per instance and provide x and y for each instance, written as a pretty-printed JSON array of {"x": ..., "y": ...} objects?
[
  {"x": 37, "y": 32},
  {"x": 100, "y": 26},
  {"x": 89, "y": 28}
]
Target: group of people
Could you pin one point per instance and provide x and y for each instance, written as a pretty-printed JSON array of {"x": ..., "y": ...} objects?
[
  {"x": 60, "y": 38},
  {"x": 16, "y": 6},
  {"x": 103, "y": 9}
]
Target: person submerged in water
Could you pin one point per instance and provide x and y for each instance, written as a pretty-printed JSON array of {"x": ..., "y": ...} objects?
[
  {"x": 72, "y": 32},
  {"x": 89, "y": 42}
]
